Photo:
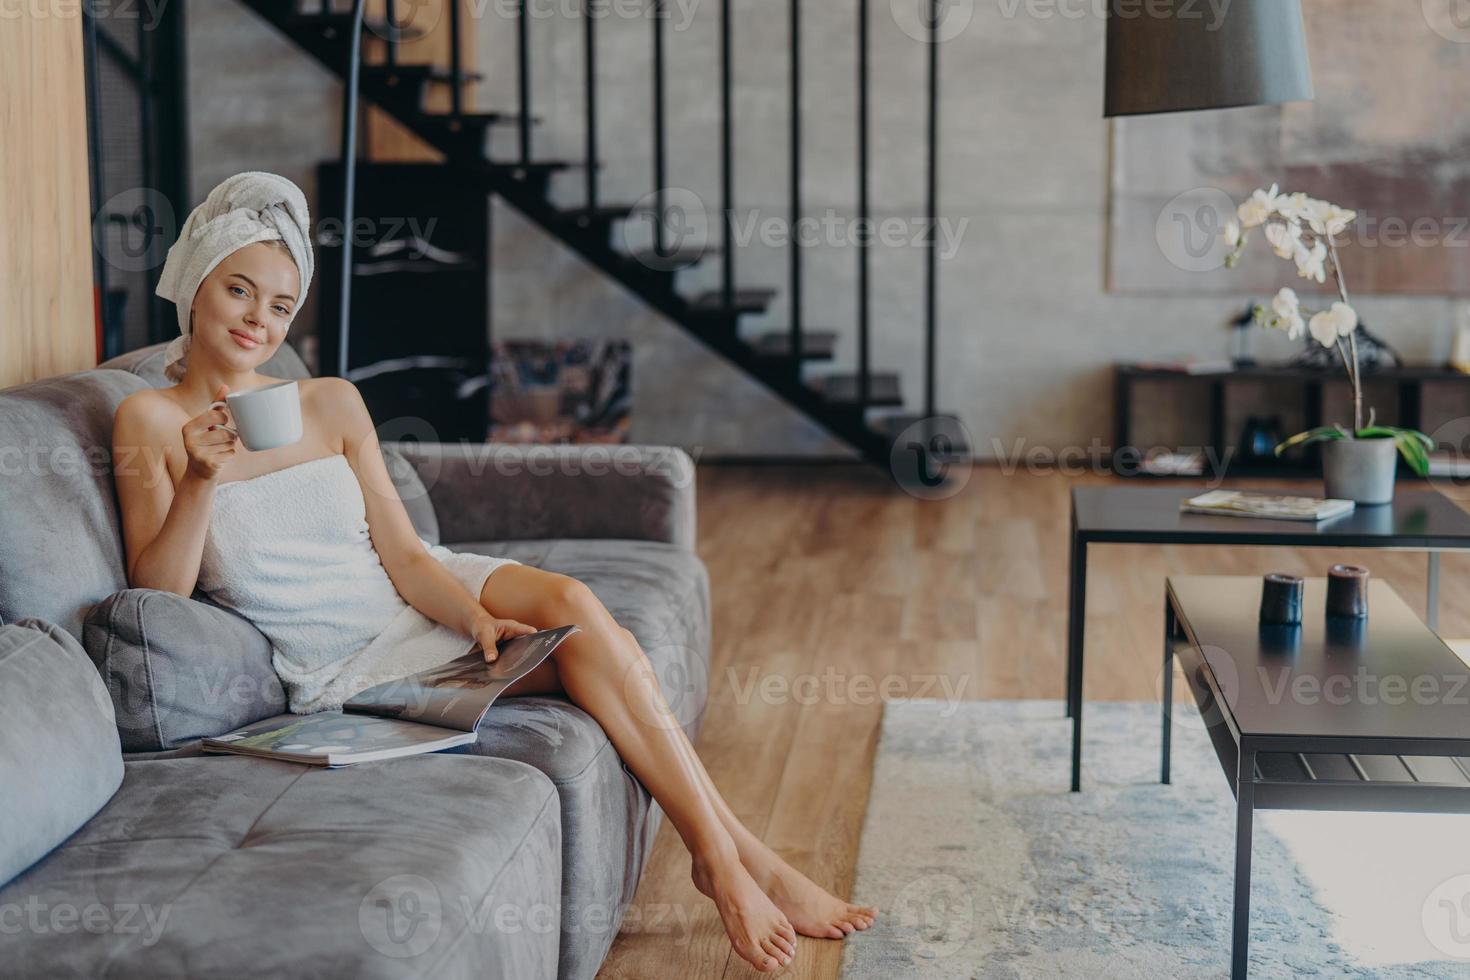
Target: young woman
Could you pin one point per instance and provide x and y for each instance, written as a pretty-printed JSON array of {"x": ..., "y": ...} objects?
[{"x": 285, "y": 536}]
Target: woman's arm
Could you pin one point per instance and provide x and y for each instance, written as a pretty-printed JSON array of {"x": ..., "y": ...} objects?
[
  {"x": 163, "y": 531},
  {"x": 423, "y": 582}
]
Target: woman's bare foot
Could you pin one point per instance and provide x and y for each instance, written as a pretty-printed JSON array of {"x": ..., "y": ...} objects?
[
  {"x": 812, "y": 909},
  {"x": 758, "y": 931}
]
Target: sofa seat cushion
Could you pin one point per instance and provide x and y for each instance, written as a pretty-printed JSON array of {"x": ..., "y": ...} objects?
[{"x": 233, "y": 867}]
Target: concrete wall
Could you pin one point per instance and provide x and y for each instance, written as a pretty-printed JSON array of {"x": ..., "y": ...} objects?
[{"x": 1027, "y": 331}]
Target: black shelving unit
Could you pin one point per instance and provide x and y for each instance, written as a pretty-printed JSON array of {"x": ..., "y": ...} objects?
[
  {"x": 1307, "y": 397},
  {"x": 419, "y": 342}
]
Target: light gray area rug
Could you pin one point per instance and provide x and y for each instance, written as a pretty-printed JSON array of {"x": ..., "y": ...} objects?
[{"x": 984, "y": 866}]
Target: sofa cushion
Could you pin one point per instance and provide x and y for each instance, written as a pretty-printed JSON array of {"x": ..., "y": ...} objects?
[
  {"x": 147, "y": 363},
  {"x": 661, "y": 593},
  {"x": 59, "y": 530},
  {"x": 59, "y": 754},
  {"x": 179, "y": 669},
  {"x": 433, "y": 865}
]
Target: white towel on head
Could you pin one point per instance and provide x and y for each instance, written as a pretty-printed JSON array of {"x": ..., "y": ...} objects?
[{"x": 244, "y": 209}]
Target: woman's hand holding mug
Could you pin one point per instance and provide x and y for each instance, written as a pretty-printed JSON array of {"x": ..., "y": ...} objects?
[{"x": 208, "y": 441}]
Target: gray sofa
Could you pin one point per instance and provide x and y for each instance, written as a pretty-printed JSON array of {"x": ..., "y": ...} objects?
[{"x": 512, "y": 857}]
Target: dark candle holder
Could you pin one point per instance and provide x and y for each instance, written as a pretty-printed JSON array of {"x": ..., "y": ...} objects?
[
  {"x": 1347, "y": 591},
  {"x": 1281, "y": 599},
  {"x": 1280, "y": 641}
]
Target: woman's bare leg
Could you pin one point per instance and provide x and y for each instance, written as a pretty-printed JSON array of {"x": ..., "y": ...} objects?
[
  {"x": 601, "y": 674},
  {"x": 811, "y": 909}
]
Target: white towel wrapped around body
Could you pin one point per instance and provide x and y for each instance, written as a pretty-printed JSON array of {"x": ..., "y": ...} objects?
[{"x": 290, "y": 550}]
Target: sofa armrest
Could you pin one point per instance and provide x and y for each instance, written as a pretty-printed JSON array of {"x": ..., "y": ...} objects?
[
  {"x": 506, "y": 492},
  {"x": 179, "y": 669}
]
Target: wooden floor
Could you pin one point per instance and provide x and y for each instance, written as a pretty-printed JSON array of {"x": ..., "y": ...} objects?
[{"x": 830, "y": 585}]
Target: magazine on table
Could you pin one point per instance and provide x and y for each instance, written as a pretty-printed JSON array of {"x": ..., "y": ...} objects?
[
  {"x": 1234, "y": 503},
  {"x": 434, "y": 709}
]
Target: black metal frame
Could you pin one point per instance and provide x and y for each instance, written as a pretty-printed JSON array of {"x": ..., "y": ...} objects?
[
  {"x": 349, "y": 171},
  {"x": 158, "y": 72}
]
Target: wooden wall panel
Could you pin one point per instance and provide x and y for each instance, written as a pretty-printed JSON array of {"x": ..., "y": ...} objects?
[{"x": 47, "y": 320}]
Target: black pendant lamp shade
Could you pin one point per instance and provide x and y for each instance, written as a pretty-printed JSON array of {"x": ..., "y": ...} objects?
[{"x": 1176, "y": 57}]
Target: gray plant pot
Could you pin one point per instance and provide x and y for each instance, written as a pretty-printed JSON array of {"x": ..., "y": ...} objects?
[{"x": 1360, "y": 469}]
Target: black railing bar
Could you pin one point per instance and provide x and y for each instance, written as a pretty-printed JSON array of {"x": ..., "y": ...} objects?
[
  {"x": 92, "y": 68},
  {"x": 795, "y": 140},
  {"x": 456, "y": 60},
  {"x": 589, "y": 39},
  {"x": 931, "y": 275},
  {"x": 146, "y": 86},
  {"x": 660, "y": 172},
  {"x": 523, "y": 79},
  {"x": 349, "y": 180},
  {"x": 727, "y": 176},
  {"x": 391, "y": 13},
  {"x": 862, "y": 242}
]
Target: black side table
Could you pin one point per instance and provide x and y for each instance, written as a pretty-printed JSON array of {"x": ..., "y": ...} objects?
[
  {"x": 1328, "y": 715},
  {"x": 1417, "y": 520}
]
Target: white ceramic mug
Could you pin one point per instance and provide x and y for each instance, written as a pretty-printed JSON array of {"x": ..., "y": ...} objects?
[{"x": 264, "y": 417}]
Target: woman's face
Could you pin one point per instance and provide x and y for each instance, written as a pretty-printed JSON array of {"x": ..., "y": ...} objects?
[{"x": 244, "y": 305}]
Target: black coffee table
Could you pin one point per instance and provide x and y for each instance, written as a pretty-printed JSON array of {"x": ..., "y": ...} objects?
[
  {"x": 1329, "y": 715},
  {"x": 1417, "y": 520}
]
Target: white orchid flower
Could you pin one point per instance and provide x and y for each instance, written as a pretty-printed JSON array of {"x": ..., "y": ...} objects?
[
  {"x": 1232, "y": 234},
  {"x": 1346, "y": 318},
  {"x": 1262, "y": 205},
  {"x": 1292, "y": 323},
  {"x": 1286, "y": 302},
  {"x": 1285, "y": 239},
  {"x": 1331, "y": 324},
  {"x": 1336, "y": 220},
  {"x": 1311, "y": 263},
  {"x": 1327, "y": 218},
  {"x": 1324, "y": 329},
  {"x": 1294, "y": 206}
]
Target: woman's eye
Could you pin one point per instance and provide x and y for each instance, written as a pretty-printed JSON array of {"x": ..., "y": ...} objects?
[
  {"x": 238, "y": 289},
  {"x": 281, "y": 310}
]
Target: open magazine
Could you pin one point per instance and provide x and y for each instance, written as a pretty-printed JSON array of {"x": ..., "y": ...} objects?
[
  {"x": 432, "y": 710},
  {"x": 1275, "y": 507}
]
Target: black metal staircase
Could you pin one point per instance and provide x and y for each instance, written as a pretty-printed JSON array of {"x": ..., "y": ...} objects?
[{"x": 843, "y": 403}]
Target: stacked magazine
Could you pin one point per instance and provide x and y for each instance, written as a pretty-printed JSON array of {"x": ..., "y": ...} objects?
[
  {"x": 432, "y": 710},
  {"x": 1234, "y": 503}
]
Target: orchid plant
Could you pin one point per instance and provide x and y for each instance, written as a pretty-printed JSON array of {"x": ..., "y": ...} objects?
[{"x": 1303, "y": 229}]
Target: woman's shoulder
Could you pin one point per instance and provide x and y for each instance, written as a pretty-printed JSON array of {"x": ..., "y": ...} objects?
[{"x": 146, "y": 409}]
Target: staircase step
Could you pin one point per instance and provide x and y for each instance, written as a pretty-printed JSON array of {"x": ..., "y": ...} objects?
[
  {"x": 841, "y": 390},
  {"x": 712, "y": 303},
  {"x": 405, "y": 75},
  {"x": 468, "y": 121},
  {"x": 943, "y": 436},
  {"x": 339, "y": 24},
  {"x": 672, "y": 261},
  {"x": 816, "y": 345},
  {"x": 603, "y": 214}
]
